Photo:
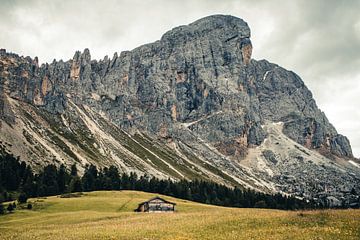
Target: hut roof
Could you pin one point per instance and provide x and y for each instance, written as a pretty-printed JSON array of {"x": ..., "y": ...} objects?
[{"x": 154, "y": 198}]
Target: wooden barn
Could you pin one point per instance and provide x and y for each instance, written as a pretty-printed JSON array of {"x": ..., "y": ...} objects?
[{"x": 156, "y": 204}]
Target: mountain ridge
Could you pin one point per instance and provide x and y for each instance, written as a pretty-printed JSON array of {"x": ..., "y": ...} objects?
[{"x": 196, "y": 91}]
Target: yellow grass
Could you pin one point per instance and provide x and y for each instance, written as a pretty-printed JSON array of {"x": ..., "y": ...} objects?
[{"x": 109, "y": 215}]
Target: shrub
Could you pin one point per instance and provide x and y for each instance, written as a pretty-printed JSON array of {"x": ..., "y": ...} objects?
[
  {"x": 10, "y": 207},
  {"x": 6, "y": 196},
  {"x": 71, "y": 195},
  {"x": 10, "y": 197},
  {"x": 29, "y": 206},
  {"x": 2, "y": 209},
  {"x": 22, "y": 198}
]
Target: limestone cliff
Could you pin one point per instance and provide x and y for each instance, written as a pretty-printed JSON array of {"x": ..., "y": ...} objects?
[{"x": 196, "y": 90}]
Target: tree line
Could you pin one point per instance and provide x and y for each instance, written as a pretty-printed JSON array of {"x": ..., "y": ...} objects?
[{"x": 17, "y": 177}]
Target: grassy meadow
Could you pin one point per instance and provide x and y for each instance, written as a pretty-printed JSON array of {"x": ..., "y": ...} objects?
[{"x": 109, "y": 215}]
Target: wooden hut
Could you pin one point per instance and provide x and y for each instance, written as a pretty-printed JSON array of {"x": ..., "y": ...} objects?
[{"x": 156, "y": 204}]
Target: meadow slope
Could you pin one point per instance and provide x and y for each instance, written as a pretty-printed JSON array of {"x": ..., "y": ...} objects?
[{"x": 109, "y": 215}]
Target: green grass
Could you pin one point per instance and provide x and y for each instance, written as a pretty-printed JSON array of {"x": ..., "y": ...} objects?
[{"x": 109, "y": 215}]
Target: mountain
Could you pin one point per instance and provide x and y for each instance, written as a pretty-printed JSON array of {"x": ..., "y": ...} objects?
[{"x": 193, "y": 104}]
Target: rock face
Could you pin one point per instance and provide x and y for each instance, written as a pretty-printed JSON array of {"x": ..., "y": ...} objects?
[{"x": 196, "y": 90}]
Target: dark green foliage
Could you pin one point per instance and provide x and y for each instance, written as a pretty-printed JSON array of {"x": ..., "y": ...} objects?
[
  {"x": 2, "y": 198},
  {"x": 75, "y": 184},
  {"x": 49, "y": 177},
  {"x": 111, "y": 178},
  {"x": 6, "y": 197},
  {"x": 53, "y": 181},
  {"x": 260, "y": 204},
  {"x": 28, "y": 184},
  {"x": 10, "y": 207},
  {"x": 62, "y": 179},
  {"x": 89, "y": 180},
  {"x": 49, "y": 181},
  {"x": 22, "y": 198},
  {"x": 11, "y": 172},
  {"x": 2, "y": 209},
  {"x": 73, "y": 171}
]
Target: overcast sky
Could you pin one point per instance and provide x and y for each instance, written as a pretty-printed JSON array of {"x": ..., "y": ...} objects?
[{"x": 319, "y": 40}]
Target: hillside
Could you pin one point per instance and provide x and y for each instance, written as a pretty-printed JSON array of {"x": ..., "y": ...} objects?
[
  {"x": 192, "y": 105},
  {"x": 109, "y": 215}
]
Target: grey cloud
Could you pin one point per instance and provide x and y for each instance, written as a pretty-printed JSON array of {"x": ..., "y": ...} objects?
[{"x": 311, "y": 33}]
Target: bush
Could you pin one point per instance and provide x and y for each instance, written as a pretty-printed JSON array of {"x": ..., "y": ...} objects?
[
  {"x": 29, "y": 206},
  {"x": 2, "y": 209},
  {"x": 22, "y": 198},
  {"x": 6, "y": 196},
  {"x": 71, "y": 195},
  {"x": 9, "y": 197},
  {"x": 10, "y": 207}
]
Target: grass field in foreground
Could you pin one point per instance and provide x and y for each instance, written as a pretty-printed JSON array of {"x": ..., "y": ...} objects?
[{"x": 109, "y": 215}]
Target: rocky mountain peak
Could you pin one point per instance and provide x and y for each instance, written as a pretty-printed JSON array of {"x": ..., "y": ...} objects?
[
  {"x": 223, "y": 26},
  {"x": 196, "y": 92},
  {"x": 79, "y": 62},
  {"x": 82, "y": 57},
  {"x": 216, "y": 30}
]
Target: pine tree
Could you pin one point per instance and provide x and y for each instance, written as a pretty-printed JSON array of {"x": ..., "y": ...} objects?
[
  {"x": 73, "y": 171},
  {"x": 75, "y": 185},
  {"x": 27, "y": 185},
  {"x": 49, "y": 180},
  {"x": 62, "y": 177},
  {"x": 89, "y": 178},
  {"x": 113, "y": 175},
  {"x": 18, "y": 177}
]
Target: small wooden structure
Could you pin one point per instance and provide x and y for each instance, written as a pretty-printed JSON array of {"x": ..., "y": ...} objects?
[{"x": 156, "y": 204}]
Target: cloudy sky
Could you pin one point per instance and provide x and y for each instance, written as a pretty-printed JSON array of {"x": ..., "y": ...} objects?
[{"x": 318, "y": 39}]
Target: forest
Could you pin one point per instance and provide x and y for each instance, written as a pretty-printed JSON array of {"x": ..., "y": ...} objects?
[{"x": 18, "y": 179}]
